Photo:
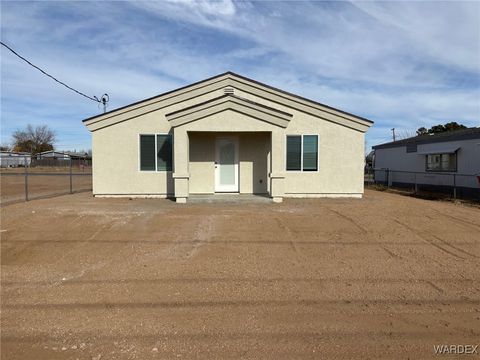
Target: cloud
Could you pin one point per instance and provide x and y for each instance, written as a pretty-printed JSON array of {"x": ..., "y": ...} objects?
[{"x": 402, "y": 64}]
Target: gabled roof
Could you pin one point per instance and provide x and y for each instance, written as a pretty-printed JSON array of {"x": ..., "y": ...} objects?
[
  {"x": 465, "y": 134},
  {"x": 229, "y": 102},
  {"x": 229, "y": 79}
]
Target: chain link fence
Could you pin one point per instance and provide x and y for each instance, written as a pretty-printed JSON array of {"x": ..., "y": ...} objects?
[
  {"x": 34, "y": 179},
  {"x": 427, "y": 184}
]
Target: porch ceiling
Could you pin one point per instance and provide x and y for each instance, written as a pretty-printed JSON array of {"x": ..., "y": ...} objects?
[{"x": 229, "y": 102}]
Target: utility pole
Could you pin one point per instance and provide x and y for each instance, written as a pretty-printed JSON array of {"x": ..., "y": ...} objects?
[{"x": 393, "y": 132}]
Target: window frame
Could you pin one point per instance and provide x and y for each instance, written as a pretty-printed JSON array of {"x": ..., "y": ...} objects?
[
  {"x": 301, "y": 154},
  {"x": 455, "y": 169},
  {"x": 156, "y": 153}
]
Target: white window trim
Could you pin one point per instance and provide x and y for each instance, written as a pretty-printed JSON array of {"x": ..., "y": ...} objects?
[
  {"x": 156, "y": 155},
  {"x": 301, "y": 154}
]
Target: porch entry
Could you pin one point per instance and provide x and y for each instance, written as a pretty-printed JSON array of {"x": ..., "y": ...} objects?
[{"x": 226, "y": 164}]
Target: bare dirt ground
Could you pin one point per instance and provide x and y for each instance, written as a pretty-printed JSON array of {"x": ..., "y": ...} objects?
[
  {"x": 42, "y": 182},
  {"x": 384, "y": 277}
]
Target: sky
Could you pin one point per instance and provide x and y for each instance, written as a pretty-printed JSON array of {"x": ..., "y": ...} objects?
[{"x": 401, "y": 64}]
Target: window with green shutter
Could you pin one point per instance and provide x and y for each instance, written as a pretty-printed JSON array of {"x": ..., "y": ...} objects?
[
  {"x": 302, "y": 153},
  {"x": 147, "y": 152}
]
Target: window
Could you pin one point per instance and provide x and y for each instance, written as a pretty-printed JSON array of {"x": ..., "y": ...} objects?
[
  {"x": 411, "y": 148},
  {"x": 310, "y": 152},
  {"x": 164, "y": 152},
  {"x": 302, "y": 153},
  {"x": 147, "y": 152},
  {"x": 294, "y": 153},
  {"x": 156, "y": 152},
  {"x": 441, "y": 162}
]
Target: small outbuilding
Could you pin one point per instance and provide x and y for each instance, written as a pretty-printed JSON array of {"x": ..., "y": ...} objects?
[{"x": 228, "y": 134}]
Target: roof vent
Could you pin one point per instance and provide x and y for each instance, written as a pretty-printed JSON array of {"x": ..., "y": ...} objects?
[{"x": 228, "y": 91}]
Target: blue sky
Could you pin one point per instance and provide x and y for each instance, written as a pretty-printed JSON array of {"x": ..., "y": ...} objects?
[{"x": 401, "y": 64}]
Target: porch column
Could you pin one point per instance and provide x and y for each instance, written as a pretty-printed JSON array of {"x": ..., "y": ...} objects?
[
  {"x": 180, "y": 164},
  {"x": 277, "y": 174}
]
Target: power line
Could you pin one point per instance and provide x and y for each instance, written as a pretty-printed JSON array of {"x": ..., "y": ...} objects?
[{"x": 104, "y": 99}]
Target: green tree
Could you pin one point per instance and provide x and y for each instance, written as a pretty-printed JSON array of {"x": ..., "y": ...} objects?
[
  {"x": 451, "y": 126},
  {"x": 33, "y": 139},
  {"x": 422, "y": 131}
]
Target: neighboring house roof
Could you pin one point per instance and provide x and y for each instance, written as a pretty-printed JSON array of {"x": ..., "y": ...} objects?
[
  {"x": 49, "y": 151},
  {"x": 229, "y": 80},
  {"x": 64, "y": 153},
  {"x": 465, "y": 134},
  {"x": 10, "y": 153}
]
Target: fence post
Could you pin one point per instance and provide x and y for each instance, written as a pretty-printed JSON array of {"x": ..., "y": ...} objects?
[
  {"x": 454, "y": 187},
  {"x": 26, "y": 178},
  {"x": 71, "y": 183},
  {"x": 416, "y": 186},
  {"x": 388, "y": 177}
]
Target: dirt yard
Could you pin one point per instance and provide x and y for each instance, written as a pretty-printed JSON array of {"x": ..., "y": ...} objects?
[
  {"x": 42, "y": 182},
  {"x": 384, "y": 277}
]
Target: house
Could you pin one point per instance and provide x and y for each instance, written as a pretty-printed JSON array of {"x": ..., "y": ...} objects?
[
  {"x": 51, "y": 154},
  {"x": 437, "y": 162},
  {"x": 60, "y": 155},
  {"x": 14, "y": 159},
  {"x": 228, "y": 134}
]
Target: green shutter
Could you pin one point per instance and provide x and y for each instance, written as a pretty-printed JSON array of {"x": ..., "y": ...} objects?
[
  {"x": 164, "y": 152},
  {"x": 310, "y": 152},
  {"x": 147, "y": 152},
  {"x": 294, "y": 155}
]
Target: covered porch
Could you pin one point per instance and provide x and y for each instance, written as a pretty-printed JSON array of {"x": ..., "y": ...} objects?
[{"x": 230, "y": 146}]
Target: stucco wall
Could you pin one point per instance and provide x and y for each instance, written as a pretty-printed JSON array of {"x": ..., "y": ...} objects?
[
  {"x": 253, "y": 162},
  {"x": 341, "y": 154},
  {"x": 116, "y": 153},
  {"x": 116, "y": 159}
]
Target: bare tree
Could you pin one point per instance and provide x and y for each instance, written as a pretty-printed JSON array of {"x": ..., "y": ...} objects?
[
  {"x": 405, "y": 134},
  {"x": 34, "y": 139}
]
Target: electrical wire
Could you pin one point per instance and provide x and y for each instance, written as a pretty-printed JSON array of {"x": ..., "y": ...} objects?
[{"x": 50, "y": 76}]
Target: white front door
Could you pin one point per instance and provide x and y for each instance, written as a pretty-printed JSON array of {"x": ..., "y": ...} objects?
[{"x": 226, "y": 164}]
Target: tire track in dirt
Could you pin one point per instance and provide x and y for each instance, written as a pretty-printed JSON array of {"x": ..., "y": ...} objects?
[
  {"x": 424, "y": 238},
  {"x": 466, "y": 223},
  {"x": 455, "y": 247},
  {"x": 364, "y": 231},
  {"x": 290, "y": 236},
  {"x": 96, "y": 266},
  {"x": 440, "y": 290},
  {"x": 350, "y": 220},
  {"x": 202, "y": 233}
]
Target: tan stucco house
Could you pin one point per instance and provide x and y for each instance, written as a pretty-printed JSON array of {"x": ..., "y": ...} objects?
[{"x": 230, "y": 134}]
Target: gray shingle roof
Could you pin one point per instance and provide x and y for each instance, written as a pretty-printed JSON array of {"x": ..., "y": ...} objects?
[{"x": 465, "y": 134}]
